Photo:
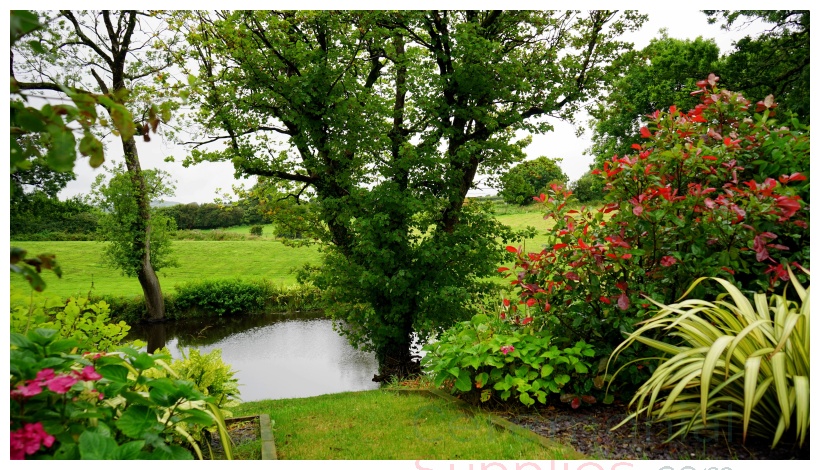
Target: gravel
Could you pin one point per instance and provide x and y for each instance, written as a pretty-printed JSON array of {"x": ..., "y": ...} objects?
[{"x": 588, "y": 430}]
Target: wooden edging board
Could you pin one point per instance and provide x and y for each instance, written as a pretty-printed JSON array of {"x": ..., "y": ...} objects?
[{"x": 497, "y": 421}]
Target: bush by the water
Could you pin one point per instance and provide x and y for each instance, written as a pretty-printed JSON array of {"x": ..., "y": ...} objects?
[
  {"x": 221, "y": 297},
  {"x": 208, "y": 235}
]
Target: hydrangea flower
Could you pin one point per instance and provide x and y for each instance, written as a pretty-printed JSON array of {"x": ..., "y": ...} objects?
[{"x": 28, "y": 439}]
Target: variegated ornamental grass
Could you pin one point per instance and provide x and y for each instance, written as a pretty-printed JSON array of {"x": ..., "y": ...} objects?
[{"x": 731, "y": 360}]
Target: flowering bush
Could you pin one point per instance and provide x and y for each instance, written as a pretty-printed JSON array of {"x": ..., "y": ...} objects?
[
  {"x": 703, "y": 196},
  {"x": 100, "y": 405}
]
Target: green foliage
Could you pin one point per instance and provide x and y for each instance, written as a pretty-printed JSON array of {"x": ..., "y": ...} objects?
[
  {"x": 236, "y": 297},
  {"x": 210, "y": 375},
  {"x": 775, "y": 62},
  {"x": 491, "y": 357},
  {"x": 679, "y": 207},
  {"x": 100, "y": 406},
  {"x": 388, "y": 117},
  {"x": 87, "y": 323},
  {"x": 256, "y": 230},
  {"x": 203, "y": 216},
  {"x": 732, "y": 361},
  {"x": 120, "y": 224},
  {"x": 33, "y": 216},
  {"x": 656, "y": 77},
  {"x": 588, "y": 188},
  {"x": 530, "y": 178},
  {"x": 210, "y": 235}
]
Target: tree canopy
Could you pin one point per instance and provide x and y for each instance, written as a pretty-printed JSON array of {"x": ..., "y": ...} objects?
[
  {"x": 388, "y": 117},
  {"x": 529, "y": 178}
]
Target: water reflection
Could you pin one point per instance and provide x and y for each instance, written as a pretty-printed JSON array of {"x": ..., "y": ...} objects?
[{"x": 276, "y": 356}]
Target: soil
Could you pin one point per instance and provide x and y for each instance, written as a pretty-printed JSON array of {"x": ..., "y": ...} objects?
[
  {"x": 240, "y": 431},
  {"x": 588, "y": 430}
]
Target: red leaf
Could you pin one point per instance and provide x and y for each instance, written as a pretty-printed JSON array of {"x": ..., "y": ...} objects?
[
  {"x": 506, "y": 302},
  {"x": 547, "y": 307},
  {"x": 531, "y": 302},
  {"x": 710, "y": 157},
  {"x": 605, "y": 300},
  {"x": 588, "y": 399},
  {"x": 558, "y": 246},
  {"x": 637, "y": 209},
  {"x": 526, "y": 321},
  {"x": 673, "y": 110},
  {"x": 637, "y": 147},
  {"x": 512, "y": 249},
  {"x": 626, "y": 256},
  {"x": 572, "y": 275},
  {"x": 621, "y": 285},
  {"x": 582, "y": 244},
  {"x": 503, "y": 268},
  {"x": 668, "y": 261},
  {"x": 645, "y": 133},
  {"x": 575, "y": 403},
  {"x": 623, "y": 302}
]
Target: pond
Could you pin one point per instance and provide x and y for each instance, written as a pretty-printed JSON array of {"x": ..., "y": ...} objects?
[{"x": 275, "y": 356}]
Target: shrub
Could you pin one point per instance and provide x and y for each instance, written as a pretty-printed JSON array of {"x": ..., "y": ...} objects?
[
  {"x": 729, "y": 361},
  {"x": 697, "y": 199},
  {"x": 209, "y": 373},
  {"x": 100, "y": 406},
  {"x": 256, "y": 230},
  {"x": 223, "y": 296},
  {"x": 208, "y": 235},
  {"x": 490, "y": 357},
  {"x": 77, "y": 319}
]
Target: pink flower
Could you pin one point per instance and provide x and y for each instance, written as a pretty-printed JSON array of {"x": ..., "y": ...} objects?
[
  {"x": 27, "y": 440},
  {"x": 507, "y": 349},
  {"x": 88, "y": 373},
  {"x": 31, "y": 389},
  {"x": 61, "y": 384},
  {"x": 45, "y": 374}
]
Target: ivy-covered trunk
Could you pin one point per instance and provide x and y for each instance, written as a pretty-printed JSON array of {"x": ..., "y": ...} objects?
[{"x": 154, "y": 302}]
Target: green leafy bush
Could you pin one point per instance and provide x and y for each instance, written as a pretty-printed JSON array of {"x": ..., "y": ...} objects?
[
  {"x": 490, "y": 357},
  {"x": 224, "y": 296},
  {"x": 100, "y": 405},
  {"x": 207, "y": 235},
  {"x": 731, "y": 361},
  {"x": 210, "y": 374},
  {"x": 256, "y": 230},
  {"x": 78, "y": 319}
]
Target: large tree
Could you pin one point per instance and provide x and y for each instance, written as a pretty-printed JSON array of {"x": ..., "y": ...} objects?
[
  {"x": 660, "y": 75},
  {"x": 529, "y": 178},
  {"x": 776, "y": 62},
  {"x": 387, "y": 117},
  {"x": 107, "y": 56}
]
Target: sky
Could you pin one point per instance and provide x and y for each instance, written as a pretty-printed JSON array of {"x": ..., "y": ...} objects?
[{"x": 204, "y": 182}]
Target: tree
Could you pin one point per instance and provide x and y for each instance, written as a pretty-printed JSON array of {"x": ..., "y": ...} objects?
[
  {"x": 656, "y": 77},
  {"x": 588, "y": 188},
  {"x": 387, "y": 117},
  {"x": 774, "y": 63},
  {"x": 110, "y": 51},
  {"x": 530, "y": 178},
  {"x": 117, "y": 226}
]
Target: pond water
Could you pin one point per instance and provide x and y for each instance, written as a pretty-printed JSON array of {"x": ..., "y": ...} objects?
[{"x": 275, "y": 356}]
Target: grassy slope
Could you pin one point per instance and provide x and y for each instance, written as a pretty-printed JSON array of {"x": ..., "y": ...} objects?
[
  {"x": 380, "y": 425},
  {"x": 198, "y": 260}
]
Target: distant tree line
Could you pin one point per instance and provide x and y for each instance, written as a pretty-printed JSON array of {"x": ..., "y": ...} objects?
[{"x": 210, "y": 216}]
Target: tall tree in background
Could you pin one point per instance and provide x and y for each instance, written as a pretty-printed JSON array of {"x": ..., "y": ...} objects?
[
  {"x": 387, "y": 117},
  {"x": 658, "y": 76},
  {"x": 108, "y": 57},
  {"x": 775, "y": 62}
]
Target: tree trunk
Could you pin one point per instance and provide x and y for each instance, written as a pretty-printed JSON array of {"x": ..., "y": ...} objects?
[{"x": 154, "y": 302}]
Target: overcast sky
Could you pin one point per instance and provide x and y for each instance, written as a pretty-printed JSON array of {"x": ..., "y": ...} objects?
[{"x": 202, "y": 183}]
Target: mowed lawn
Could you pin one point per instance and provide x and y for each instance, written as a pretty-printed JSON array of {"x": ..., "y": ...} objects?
[
  {"x": 260, "y": 258},
  {"x": 82, "y": 263}
]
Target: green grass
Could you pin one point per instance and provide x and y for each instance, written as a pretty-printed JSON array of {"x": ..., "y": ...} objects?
[
  {"x": 198, "y": 260},
  {"x": 254, "y": 258},
  {"x": 382, "y": 425}
]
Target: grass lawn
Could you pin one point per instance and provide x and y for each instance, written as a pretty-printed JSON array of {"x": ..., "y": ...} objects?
[
  {"x": 382, "y": 425},
  {"x": 199, "y": 260}
]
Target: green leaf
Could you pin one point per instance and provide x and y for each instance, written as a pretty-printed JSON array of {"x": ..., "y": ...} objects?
[
  {"x": 123, "y": 120},
  {"x": 581, "y": 368},
  {"x": 114, "y": 373},
  {"x": 130, "y": 450},
  {"x": 136, "y": 421},
  {"x": 95, "y": 446},
  {"x": 61, "y": 154},
  {"x": 464, "y": 382},
  {"x": 92, "y": 148}
]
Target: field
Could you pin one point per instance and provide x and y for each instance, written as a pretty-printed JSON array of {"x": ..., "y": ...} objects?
[{"x": 198, "y": 260}]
